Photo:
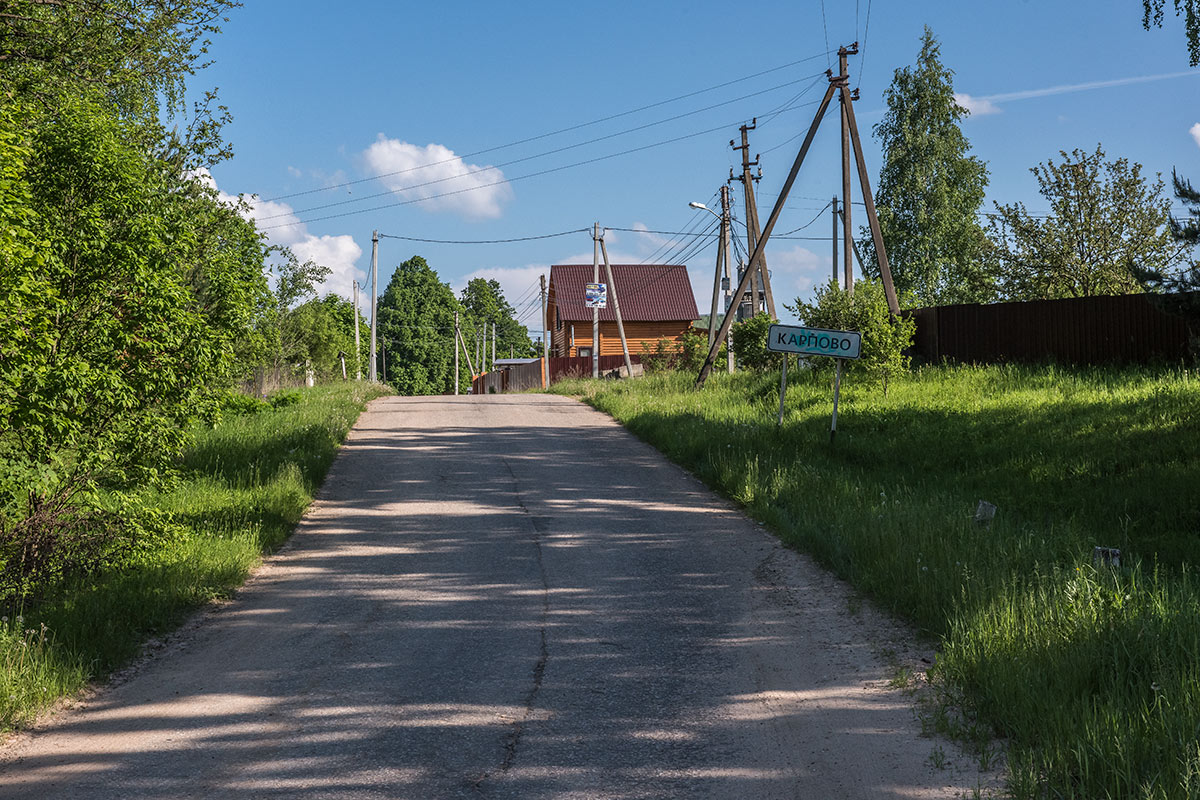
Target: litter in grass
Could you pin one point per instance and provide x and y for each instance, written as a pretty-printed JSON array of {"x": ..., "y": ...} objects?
[{"x": 985, "y": 512}]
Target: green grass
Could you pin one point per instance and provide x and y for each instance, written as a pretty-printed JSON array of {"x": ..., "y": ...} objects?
[
  {"x": 1091, "y": 677},
  {"x": 244, "y": 486}
]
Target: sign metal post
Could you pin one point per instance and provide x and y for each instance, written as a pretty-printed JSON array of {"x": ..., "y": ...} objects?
[{"x": 839, "y": 345}]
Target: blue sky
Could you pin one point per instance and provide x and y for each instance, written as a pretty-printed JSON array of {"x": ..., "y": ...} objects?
[{"x": 434, "y": 92}]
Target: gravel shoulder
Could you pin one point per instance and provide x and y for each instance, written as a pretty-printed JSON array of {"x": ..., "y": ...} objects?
[{"x": 510, "y": 596}]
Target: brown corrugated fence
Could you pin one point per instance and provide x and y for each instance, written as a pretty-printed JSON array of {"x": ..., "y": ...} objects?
[{"x": 1126, "y": 329}]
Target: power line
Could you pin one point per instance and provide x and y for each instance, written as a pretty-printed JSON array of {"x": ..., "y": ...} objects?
[
  {"x": 489, "y": 168},
  {"x": 866, "y": 30},
  {"x": 825, "y": 25},
  {"x": 810, "y": 222},
  {"x": 567, "y": 129},
  {"x": 482, "y": 241},
  {"x": 505, "y": 180}
]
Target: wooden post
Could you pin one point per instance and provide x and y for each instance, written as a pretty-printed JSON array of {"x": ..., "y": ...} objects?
[
  {"x": 864, "y": 183},
  {"x": 545, "y": 337},
  {"x": 456, "y": 351},
  {"x": 357, "y": 351},
  {"x": 766, "y": 234},
  {"x": 596, "y": 309},
  {"x": 835, "y": 238},
  {"x": 727, "y": 246},
  {"x": 612, "y": 288},
  {"x": 847, "y": 236},
  {"x": 721, "y": 260},
  {"x": 372, "y": 374}
]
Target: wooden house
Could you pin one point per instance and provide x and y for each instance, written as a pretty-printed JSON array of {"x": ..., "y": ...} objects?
[{"x": 656, "y": 302}]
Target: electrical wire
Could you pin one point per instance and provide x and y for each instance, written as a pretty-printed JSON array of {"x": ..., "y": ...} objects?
[
  {"x": 567, "y": 129},
  {"x": 489, "y": 168},
  {"x": 810, "y": 222},
  {"x": 483, "y": 241},
  {"x": 862, "y": 61},
  {"x": 825, "y": 25},
  {"x": 499, "y": 182}
]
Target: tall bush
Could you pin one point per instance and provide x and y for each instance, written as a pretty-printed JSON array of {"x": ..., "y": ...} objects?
[{"x": 884, "y": 337}]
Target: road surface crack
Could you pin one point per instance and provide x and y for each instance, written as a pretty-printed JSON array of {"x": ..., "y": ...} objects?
[{"x": 512, "y": 742}]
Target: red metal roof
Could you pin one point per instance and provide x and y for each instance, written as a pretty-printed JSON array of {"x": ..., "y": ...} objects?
[{"x": 647, "y": 292}]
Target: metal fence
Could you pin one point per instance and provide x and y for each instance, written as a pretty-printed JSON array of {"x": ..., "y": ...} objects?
[{"x": 1126, "y": 329}]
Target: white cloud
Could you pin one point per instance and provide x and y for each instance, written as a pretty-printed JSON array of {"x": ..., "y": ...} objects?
[
  {"x": 795, "y": 273},
  {"x": 976, "y": 106},
  {"x": 282, "y": 227},
  {"x": 295, "y": 173},
  {"x": 1195, "y": 132},
  {"x": 438, "y": 179}
]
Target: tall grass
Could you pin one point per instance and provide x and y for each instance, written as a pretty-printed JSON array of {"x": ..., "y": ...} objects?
[
  {"x": 244, "y": 485},
  {"x": 1091, "y": 675}
]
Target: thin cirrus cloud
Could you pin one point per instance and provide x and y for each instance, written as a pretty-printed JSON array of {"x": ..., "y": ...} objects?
[
  {"x": 989, "y": 104},
  {"x": 1195, "y": 132},
  {"x": 437, "y": 179}
]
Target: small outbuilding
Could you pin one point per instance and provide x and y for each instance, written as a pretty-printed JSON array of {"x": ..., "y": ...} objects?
[{"x": 656, "y": 303}]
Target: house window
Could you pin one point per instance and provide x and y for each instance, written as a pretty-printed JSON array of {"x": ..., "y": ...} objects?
[
  {"x": 585, "y": 352},
  {"x": 557, "y": 319}
]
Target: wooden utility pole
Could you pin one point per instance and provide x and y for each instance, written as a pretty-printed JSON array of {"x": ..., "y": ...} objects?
[
  {"x": 596, "y": 309},
  {"x": 545, "y": 338},
  {"x": 836, "y": 219},
  {"x": 864, "y": 184},
  {"x": 357, "y": 353},
  {"x": 493, "y": 345},
  {"x": 726, "y": 235},
  {"x": 456, "y": 351},
  {"x": 372, "y": 374},
  {"x": 847, "y": 237},
  {"x": 612, "y": 288},
  {"x": 765, "y": 300},
  {"x": 722, "y": 263}
]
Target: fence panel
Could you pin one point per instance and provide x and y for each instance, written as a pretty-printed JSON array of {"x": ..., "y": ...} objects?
[{"x": 1082, "y": 330}]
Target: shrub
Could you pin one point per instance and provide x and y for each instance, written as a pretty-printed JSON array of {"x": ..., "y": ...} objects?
[
  {"x": 236, "y": 404},
  {"x": 661, "y": 357},
  {"x": 284, "y": 398},
  {"x": 750, "y": 343},
  {"x": 884, "y": 337}
]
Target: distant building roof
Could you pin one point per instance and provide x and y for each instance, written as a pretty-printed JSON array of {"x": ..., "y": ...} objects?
[
  {"x": 647, "y": 292},
  {"x": 513, "y": 362}
]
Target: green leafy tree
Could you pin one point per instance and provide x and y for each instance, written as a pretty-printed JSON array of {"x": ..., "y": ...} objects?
[
  {"x": 930, "y": 188},
  {"x": 118, "y": 331},
  {"x": 1152, "y": 16},
  {"x": 884, "y": 337},
  {"x": 416, "y": 325},
  {"x": 1104, "y": 218},
  {"x": 484, "y": 305}
]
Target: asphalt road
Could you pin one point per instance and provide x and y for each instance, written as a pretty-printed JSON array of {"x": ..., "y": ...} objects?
[{"x": 508, "y": 597}]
